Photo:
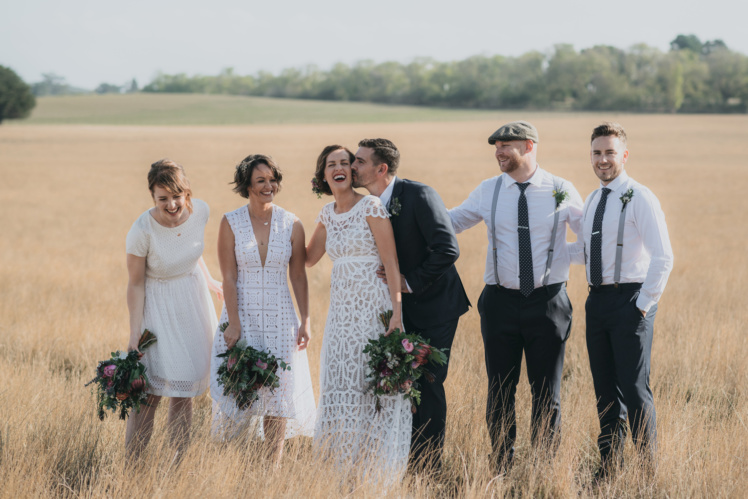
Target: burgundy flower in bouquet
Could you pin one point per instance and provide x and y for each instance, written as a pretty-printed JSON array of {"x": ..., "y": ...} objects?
[
  {"x": 245, "y": 371},
  {"x": 397, "y": 362},
  {"x": 121, "y": 380}
]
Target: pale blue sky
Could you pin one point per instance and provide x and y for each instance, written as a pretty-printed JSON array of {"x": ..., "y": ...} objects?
[{"x": 94, "y": 41}]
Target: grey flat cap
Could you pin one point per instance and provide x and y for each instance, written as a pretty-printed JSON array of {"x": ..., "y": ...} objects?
[{"x": 516, "y": 130}]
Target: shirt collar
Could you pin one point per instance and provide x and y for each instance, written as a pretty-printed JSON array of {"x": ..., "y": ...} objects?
[
  {"x": 619, "y": 183},
  {"x": 387, "y": 194},
  {"x": 536, "y": 179}
]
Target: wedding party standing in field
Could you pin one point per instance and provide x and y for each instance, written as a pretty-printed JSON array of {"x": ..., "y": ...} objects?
[
  {"x": 356, "y": 234},
  {"x": 524, "y": 306},
  {"x": 628, "y": 257},
  {"x": 433, "y": 295},
  {"x": 260, "y": 244},
  {"x": 168, "y": 293}
]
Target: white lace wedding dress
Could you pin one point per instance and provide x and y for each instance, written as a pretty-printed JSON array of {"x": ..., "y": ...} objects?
[{"x": 349, "y": 430}]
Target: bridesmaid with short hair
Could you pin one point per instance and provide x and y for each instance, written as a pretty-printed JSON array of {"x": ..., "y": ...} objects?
[
  {"x": 260, "y": 249},
  {"x": 168, "y": 293}
]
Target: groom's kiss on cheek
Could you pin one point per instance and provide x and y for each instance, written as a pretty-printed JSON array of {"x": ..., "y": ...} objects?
[{"x": 366, "y": 167}]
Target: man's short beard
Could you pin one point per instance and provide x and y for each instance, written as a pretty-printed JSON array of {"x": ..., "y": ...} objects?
[{"x": 512, "y": 164}]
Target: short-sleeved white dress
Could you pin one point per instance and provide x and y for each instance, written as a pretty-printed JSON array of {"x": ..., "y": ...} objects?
[
  {"x": 349, "y": 428},
  {"x": 178, "y": 308}
]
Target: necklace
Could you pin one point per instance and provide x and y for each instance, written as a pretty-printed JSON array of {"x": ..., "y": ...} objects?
[{"x": 261, "y": 220}]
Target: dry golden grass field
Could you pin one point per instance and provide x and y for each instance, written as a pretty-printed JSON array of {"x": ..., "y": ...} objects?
[{"x": 68, "y": 195}]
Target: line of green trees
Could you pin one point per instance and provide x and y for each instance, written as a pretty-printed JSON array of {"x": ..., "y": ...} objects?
[{"x": 692, "y": 77}]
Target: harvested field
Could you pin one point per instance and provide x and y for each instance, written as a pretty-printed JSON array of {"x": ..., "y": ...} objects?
[{"x": 70, "y": 193}]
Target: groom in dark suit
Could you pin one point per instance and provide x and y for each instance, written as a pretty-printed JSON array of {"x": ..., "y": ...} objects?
[{"x": 433, "y": 295}]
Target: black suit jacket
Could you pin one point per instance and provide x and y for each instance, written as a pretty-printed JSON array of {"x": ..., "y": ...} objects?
[{"x": 426, "y": 250}]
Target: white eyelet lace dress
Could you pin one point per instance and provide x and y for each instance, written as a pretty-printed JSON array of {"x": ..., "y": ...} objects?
[
  {"x": 372, "y": 445},
  {"x": 268, "y": 322},
  {"x": 178, "y": 308}
]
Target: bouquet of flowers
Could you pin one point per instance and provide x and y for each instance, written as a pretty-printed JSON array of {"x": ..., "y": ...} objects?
[
  {"x": 121, "y": 380},
  {"x": 246, "y": 370},
  {"x": 397, "y": 361}
]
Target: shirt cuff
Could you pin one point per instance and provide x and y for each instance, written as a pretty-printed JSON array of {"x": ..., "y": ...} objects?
[
  {"x": 645, "y": 302},
  {"x": 576, "y": 252},
  {"x": 407, "y": 285}
]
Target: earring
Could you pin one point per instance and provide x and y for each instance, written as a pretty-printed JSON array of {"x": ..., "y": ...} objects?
[{"x": 324, "y": 180}]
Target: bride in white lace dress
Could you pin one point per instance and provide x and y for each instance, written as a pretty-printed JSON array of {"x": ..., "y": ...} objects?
[{"x": 355, "y": 232}]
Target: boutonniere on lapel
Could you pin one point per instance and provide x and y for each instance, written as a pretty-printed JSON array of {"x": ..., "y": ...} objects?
[
  {"x": 395, "y": 207},
  {"x": 560, "y": 196},
  {"x": 626, "y": 198}
]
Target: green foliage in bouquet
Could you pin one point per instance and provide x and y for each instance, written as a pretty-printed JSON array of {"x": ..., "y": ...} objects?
[
  {"x": 121, "y": 380},
  {"x": 396, "y": 363},
  {"x": 246, "y": 370}
]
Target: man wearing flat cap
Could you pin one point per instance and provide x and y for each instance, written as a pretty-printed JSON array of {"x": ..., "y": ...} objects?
[{"x": 524, "y": 307}]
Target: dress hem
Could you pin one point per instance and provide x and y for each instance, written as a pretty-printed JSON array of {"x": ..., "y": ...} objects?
[{"x": 172, "y": 393}]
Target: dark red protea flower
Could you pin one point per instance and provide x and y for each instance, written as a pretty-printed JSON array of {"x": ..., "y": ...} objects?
[
  {"x": 138, "y": 385},
  {"x": 422, "y": 352}
]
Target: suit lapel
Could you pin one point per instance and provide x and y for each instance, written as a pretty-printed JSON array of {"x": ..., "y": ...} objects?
[{"x": 397, "y": 191}]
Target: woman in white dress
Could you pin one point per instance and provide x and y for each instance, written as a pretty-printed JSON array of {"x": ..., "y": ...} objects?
[
  {"x": 168, "y": 293},
  {"x": 258, "y": 244},
  {"x": 355, "y": 232}
]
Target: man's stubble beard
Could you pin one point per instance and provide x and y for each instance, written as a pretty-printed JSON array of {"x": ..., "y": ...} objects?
[
  {"x": 355, "y": 182},
  {"x": 512, "y": 164}
]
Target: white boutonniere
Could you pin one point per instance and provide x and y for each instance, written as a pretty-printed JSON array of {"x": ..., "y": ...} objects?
[
  {"x": 626, "y": 198},
  {"x": 560, "y": 196}
]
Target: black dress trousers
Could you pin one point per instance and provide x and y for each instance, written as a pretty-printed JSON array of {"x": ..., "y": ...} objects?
[
  {"x": 429, "y": 420},
  {"x": 539, "y": 326},
  {"x": 619, "y": 343}
]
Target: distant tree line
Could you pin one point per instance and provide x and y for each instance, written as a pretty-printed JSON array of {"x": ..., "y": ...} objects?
[
  {"x": 691, "y": 77},
  {"x": 53, "y": 84}
]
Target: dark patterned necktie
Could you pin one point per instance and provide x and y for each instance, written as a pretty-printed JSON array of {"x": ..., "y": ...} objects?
[
  {"x": 596, "y": 240},
  {"x": 526, "y": 278}
]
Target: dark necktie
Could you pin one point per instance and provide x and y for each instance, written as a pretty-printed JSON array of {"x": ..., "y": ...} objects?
[
  {"x": 526, "y": 278},
  {"x": 596, "y": 240}
]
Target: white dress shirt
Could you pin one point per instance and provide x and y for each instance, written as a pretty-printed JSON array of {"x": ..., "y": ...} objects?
[
  {"x": 647, "y": 256},
  {"x": 387, "y": 193},
  {"x": 541, "y": 206}
]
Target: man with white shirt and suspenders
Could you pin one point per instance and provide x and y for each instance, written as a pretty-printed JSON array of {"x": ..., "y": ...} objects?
[
  {"x": 524, "y": 306},
  {"x": 628, "y": 259}
]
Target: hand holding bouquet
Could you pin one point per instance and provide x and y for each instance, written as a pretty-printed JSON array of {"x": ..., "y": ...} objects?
[
  {"x": 246, "y": 370},
  {"x": 397, "y": 361},
  {"x": 121, "y": 380}
]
